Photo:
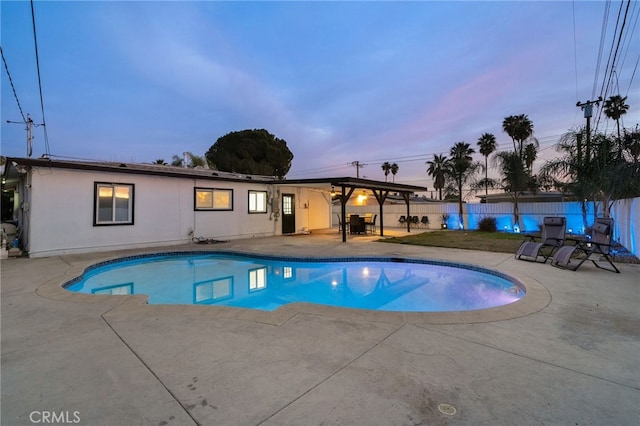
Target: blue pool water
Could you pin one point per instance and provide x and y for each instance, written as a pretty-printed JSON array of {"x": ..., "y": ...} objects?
[{"x": 265, "y": 282}]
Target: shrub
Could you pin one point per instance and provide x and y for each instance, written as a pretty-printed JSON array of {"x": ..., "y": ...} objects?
[{"x": 488, "y": 224}]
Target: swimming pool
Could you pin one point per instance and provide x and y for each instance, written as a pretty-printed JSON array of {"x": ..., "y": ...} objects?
[{"x": 269, "y": 282}]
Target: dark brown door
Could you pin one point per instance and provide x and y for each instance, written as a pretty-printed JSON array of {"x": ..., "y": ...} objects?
[{"x": 288, "y": 213}]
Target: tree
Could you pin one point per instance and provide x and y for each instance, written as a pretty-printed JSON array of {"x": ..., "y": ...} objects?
[
  {"x": 394, "y": 170},
  {"x": 530, "y": 155},
  {"x": 631, "y": 142},
  {"x": 196, "y": 160},
  {"x": 614, "y": 108},
  {"x": 461, "y": 169},
  {"x": 515, "y": 178},
  {"x": 386, "y": 168},
  {"x": 487, "y": 145},
  {"x": 605, "y": 178},
  {"x": 193, "y": 162},
  {"x": 255, "y": 152},
  {"x": 438, "y": 172},
  {"x": 519, "y": 128},
  {"x": 160, "y": 161}
]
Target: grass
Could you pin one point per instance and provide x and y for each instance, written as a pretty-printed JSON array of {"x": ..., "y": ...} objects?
[{"x": 498, "y": 242}]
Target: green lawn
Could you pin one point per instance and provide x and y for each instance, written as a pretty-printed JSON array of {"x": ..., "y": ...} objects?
[{"x": 500, "y": 242}]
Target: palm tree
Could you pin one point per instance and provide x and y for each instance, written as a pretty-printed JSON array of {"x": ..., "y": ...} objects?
[
  {"x": 160, "y": 161},
  {"x": 604, "y": 178},
  {"x": 394, "y": 170},
  {"x": 197, "y": 160},
  {"x": 614, "y": 108},
  {"x": 461, "y": 168},
  {"x": 487, "y": 145},
  {"x": 530, "y": 154},
  {"x": 519, "y": 128},
  {"x": 438, "y": 172},
  {"x": 515, "y": 178},
  {"x": 386, "y": 168}
]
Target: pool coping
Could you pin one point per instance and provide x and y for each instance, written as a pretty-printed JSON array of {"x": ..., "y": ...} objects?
[{"x": 536, "y": 298}]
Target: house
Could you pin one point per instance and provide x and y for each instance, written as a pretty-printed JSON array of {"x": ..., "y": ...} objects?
[
  {"x": 63, "y": 207},
  {"x": 524, "y": 197}
]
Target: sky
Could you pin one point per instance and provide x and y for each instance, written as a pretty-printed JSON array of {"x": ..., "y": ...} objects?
[{"x": 340, "y": 82}]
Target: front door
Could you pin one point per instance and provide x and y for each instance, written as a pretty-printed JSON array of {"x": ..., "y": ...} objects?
[{"x": 288, "y": 213}]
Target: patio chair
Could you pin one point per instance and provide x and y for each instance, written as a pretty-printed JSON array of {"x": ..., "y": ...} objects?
[
  {"x": 553, "y": 230},
  {"x": 425, "y": 221},
  {"x": 415, "y": 221},
  {"x": 402, "y": 220},
  {"x": 340, "y": 224},
  {"x": 356, "y": 224},
  {"x": 371, "y": 224},
  {"x": 599, "y": 245}
]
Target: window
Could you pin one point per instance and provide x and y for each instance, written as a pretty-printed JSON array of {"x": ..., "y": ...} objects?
[
  {"x": 114, "y": 289},
  {"x": 257, "y": 279},
  {"x": 287, "y": 204},
  {"x": 213, "y": 199},
  {"x": 257, "y": 201},
  {"x": 209, "y": 292},
  {"x": 113, "y": 204}
]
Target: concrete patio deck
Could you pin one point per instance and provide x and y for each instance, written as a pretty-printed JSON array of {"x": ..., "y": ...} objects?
[{"x": 571, "y": 357}]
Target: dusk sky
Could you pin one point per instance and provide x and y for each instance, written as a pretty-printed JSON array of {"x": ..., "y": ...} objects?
[{"x": 339, "y": 81}]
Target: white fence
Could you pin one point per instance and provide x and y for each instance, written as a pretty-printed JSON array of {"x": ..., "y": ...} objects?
[{"x": 626, "y": 215}]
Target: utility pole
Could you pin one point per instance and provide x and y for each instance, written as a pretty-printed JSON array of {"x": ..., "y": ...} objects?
[
  {"x": 29, "y": 130},
  {"x": 358, "y": 165},
  {"x": 587, "y": 107}
]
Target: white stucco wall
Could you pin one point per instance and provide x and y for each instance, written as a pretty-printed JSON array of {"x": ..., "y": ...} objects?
[{"x": 60, "y": 214}]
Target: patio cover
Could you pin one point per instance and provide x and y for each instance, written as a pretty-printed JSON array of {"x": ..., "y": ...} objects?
[{"x": 346, "y": 187}]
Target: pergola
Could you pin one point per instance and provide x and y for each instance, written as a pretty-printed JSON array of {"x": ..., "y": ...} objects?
[{"x": 346, "y": 187}]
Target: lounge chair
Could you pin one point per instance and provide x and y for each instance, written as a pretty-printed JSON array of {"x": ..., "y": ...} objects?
[
  {"x": 599, "y": 245},
  {"x": 553, "y": 230}
]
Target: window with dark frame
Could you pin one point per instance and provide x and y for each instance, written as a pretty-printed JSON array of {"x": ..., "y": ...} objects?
[
  {"x": 257, "y": 201},
  {"x": 113, "y": 204},
  {"x": 213, "y": 199}
]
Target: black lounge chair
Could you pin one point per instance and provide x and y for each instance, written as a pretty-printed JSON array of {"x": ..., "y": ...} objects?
[
  {"x": 599, "y": 245},
  {"x": 552, "y": 238}
]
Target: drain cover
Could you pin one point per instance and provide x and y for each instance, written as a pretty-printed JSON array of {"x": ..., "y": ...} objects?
[{"x": 447, "y": 409}]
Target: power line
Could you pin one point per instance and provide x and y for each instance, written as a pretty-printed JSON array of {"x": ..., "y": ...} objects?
[
  {"x": 575, "y": 46},
  {"x": 35, "y": 42},
  {"x": 633, "y": 75},
  {"x": 603, "y": 32},
  {"x": 611, "y": 70},
  {"x": 15, "y": 95}
]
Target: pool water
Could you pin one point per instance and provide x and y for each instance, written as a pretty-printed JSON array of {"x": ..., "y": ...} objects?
[{"x": 266, "y": 283}]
